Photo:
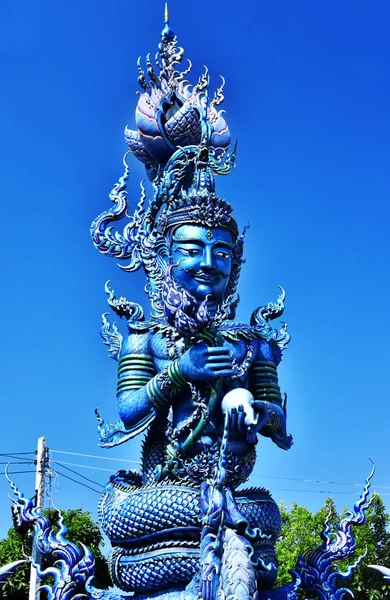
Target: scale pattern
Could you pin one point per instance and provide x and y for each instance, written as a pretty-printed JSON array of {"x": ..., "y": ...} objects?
[
  {"x": 133, "y": 514},
  {"x": 153, "y": 570},
  {"x": 184, "y": 128},
  {"x": 130, "y": 514}
]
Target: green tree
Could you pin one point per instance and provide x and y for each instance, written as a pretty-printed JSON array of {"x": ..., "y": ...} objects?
[
  {"x": 301, "y": 532},
  {"x": 81, "y": 529}
]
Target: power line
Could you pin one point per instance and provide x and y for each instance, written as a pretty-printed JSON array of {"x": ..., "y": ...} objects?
[
  {"x": 318, "y": 491},
  {"x": 321, "y": 481},
  {"x": 16, "y": 472},
  {"x": 79, "y": 474},
  {"x": 122, "y": 460},
  {"x": 75, "y": 481},
  {"x": 62, "y": 462},
  {"x": 18, "y": 453},
  {"x": 360, "y": 485},
  {"x": 16, "y": 462}
]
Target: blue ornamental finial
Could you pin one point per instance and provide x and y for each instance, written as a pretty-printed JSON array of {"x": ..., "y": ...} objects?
[{"x": 167, "y": 32}]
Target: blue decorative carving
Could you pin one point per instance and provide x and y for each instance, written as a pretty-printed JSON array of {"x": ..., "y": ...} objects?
[
  {"x": 74, "y": 565},
  {"x": 317, "y": 570}
]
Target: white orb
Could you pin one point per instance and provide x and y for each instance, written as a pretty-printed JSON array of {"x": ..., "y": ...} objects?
[{"x": 240, "y": 397}]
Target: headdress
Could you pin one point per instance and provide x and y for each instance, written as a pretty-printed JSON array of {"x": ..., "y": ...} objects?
[{"x": 183, "y": 140}]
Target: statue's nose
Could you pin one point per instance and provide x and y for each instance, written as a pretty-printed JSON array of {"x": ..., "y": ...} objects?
[{"x": 207, "y": 259}]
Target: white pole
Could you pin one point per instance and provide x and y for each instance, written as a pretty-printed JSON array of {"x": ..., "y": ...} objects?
[{"x": 40, "y": 497}]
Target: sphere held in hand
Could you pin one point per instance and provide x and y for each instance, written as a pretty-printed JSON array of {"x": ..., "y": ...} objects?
[{"x": 240, "y": 397}]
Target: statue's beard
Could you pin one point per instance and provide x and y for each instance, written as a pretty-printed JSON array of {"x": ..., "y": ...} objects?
[{"x": 182, "y": 310}]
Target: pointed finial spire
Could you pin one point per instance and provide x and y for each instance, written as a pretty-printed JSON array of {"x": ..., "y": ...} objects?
[{"x": 167, "y": 32}]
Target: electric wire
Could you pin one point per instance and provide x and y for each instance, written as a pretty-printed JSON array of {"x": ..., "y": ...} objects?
[
  {"x": 17, "y": 453},
  {"x": 16, "y": 472},
  {"x": 122, "y": 460},
  {"x": 319, "y": 491},
  {"x": 79, "y": 474},
  {"x": 321, "y": 481},
  {"x": 20, "y": 462},
  {"x": 62, "y": 462},
  {"x": 79, "y": 482}
]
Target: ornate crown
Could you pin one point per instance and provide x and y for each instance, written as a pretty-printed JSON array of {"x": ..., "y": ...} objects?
[
  {"x": 182, "y": 139},
  {"x": 171, "y": 113}
]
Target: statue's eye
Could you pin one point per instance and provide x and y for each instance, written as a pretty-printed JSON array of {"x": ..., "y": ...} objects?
[
  {"x": 190, "y": 251},
  {"x": 222, "y": 254}
]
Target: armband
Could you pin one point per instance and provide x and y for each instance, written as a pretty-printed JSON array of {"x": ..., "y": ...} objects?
[
  {"x": 134, "y": 371},
  {"x": 175, "y": 375},
  {"x": 264, "y": 382},
  {"x": 163, "y": 386}
]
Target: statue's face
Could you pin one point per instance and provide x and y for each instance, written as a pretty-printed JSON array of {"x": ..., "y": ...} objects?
[{"x": 202, "y": 259}]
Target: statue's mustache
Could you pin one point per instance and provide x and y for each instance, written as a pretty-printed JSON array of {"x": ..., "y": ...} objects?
[{"x": 213, "y": 272}]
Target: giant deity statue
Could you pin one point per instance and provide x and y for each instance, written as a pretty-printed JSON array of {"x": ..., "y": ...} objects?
[{"x": 201, "y": 385}]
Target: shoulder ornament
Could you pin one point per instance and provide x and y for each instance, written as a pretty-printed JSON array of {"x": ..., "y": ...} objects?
[
  {"x": 131, "y": 311},
  {"x": 278, "y": 339}
]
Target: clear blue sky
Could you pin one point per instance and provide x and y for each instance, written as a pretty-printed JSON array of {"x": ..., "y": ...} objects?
[{"x": 308, "y": 98}]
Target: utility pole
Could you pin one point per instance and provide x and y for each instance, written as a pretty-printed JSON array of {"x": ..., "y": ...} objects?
[{"x": 40, "y": 497}]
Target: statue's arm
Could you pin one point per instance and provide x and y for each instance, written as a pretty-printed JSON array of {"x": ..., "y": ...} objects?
[
  {"x": 141, "y": 391},
  {"x": 264, "y": 386}
]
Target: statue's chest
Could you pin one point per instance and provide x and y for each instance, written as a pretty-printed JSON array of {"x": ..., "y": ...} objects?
[{"x": 165, "y": 351}]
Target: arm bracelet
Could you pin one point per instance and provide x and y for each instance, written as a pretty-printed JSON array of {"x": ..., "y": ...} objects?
[
  {"x": 264, "y": 382},
  {"x": 161, "y": 388},
  {"x": 134, "y": 371}
]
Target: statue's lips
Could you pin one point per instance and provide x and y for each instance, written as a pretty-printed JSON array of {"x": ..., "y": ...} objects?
[{"x": 203, "y": 278}]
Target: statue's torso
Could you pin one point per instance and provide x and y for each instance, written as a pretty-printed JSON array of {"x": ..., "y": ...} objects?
[{"x": 183, "y": 406}]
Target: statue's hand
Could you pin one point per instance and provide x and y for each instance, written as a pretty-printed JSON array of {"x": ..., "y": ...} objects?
[
  {"x": 202, "y": 363},
  {"x": 239, "y": 429},
  {"x": 262, "y": 413},
  {"x": 273, "y": 415},
  {"x": 246, "y": 416}
]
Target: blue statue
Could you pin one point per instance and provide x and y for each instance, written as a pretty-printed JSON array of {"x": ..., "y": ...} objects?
[{"x": 200, "y": 384}]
